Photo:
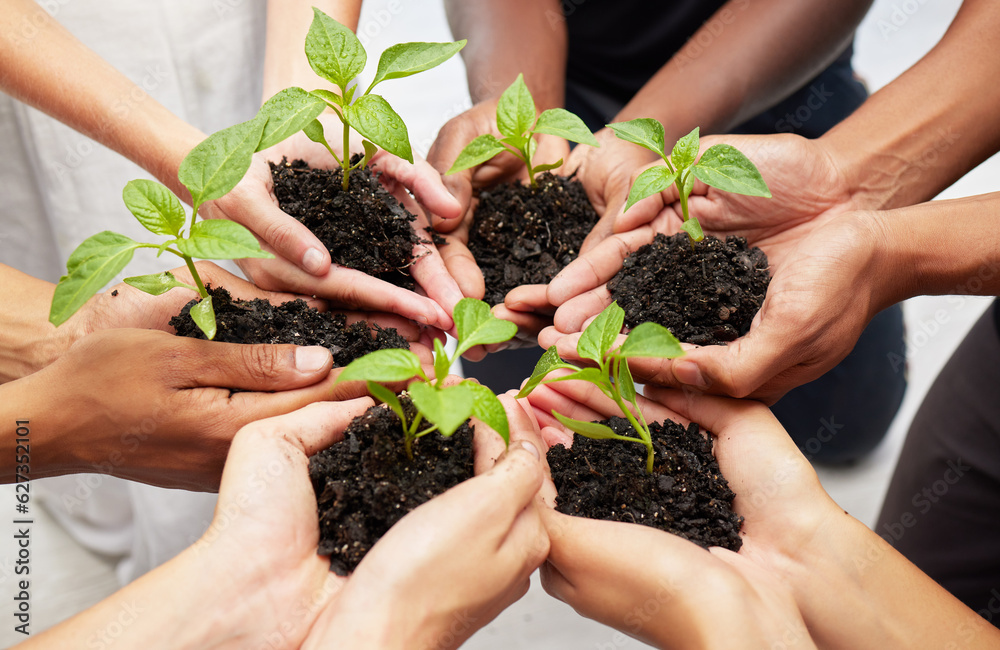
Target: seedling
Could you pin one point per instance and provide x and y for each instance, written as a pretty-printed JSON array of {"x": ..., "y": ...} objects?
[
  {"x": 439, "y": 408},
  {"x": 336, "y": 54},
  {"x": 722, "y": 166},
  {"x": 612, "y": 376},
  {"x": 517, "y": 123},
  {"x": 209, "y": 171}
]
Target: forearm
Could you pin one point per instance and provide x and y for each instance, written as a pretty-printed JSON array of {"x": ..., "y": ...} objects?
[
  {"x": 47, "y": 449},
  {"x": 28, "y": 342},
  {"x": 58, "y": 75},
  {"x": 285, "y": 62},
  {"x": 493, "y": 57},
  {"x": 926, "y": 129},
  {"x": 722, "y": 76}
]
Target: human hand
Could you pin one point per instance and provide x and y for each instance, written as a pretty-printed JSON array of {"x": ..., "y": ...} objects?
[
  {"x": 450, "y": 566},
  {"x": 152, "y": 407}
]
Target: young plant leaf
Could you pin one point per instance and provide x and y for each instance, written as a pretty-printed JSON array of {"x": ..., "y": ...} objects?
[
  {"x": 389, "y": 398},
  {"x": 328, "y": 96},
  {"x": 547, "y": 363},
  {"x": 600, "y": 335},
  {"x": 516, "y": 109},
  {"x": 488, "y": 409},
  {"x": 441, "y": 363},
  {"x": 693, "y": 228},
  {"x": 370, "y": 150},
  {"x": 156, "y": 207},
  {"x": 373, "y": 118},
  {"x": 562, "y": 123},
  {"x": 334, "y": 52},
  {"x": 686, "y": 150},
  {"x": 650, "y": 182},
  {"x": 221, "y": 239},
  {"x": 382, "y": 365},
  {"x": 157, "y": 284},
  {"x": 288, "y": 112},
  {"x": 594, "y": 430},
  {"x": 405, "y": 59},
  {"x": 94, "y": 263},
  {"x": 592, "y": 375},
  {"x": 544, "y": 168},
  {"x": 477, "y": 152},
  {"x": 644, "y": 131},
  {"x": 314, "y": 131},
  {"x": 220, "y": 161},
  {"x": 448, "y": 408},
  {"x": 203, "y": 315},
  {"x": 725, "y": 168},
  {"x": 626, "y": 386},
  {"x": 650, "y": 340},
  {"x": 476, "y": 325}
]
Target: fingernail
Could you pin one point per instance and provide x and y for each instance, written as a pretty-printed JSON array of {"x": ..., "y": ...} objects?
[
  {"x": 688, "y": 372},
  {"x": 454, "y": 295},
  {"x": 530, "y": 447},
  {"x": 310, "y": 359},
  {"x": 312, "y": 261}
]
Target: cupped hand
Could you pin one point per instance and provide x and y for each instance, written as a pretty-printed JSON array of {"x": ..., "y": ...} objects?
[
  {"x": 450, "y": 566},
  {"x": 156, "y": 408}
]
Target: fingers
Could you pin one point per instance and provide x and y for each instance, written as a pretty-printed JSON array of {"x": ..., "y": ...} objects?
[
  {"x": 239, "y": 288},
  {"x": 573, "y": 314},
  {"x": 461, "y": 265},
  {"x": 716, "y": 414},
  {"x": 432, "y": 274},
  {"x": 313, "y": 427},
  {"x": 423, "y": 181},
  {"x": 251, "y": 367},
  {"x": 597, "y": 266},
  {"x": 517, "y": 476}
]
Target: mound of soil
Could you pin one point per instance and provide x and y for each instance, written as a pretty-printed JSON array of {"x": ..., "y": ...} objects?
[
  {"x": 524, "y": 235},
  {"x": 258, "y": 321},
  {"x": 366, "y": 483},
  {"x": 685, "y": 495},
  {"x": 706, "y": 296},
  {"x": 364, "y": 228}
]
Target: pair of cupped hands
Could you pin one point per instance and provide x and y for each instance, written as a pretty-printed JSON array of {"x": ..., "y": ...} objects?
[{"x": 821, "y": 246}]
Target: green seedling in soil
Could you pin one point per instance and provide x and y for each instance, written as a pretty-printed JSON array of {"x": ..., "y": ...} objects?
[
  {"x": 722, "y": 166},
  {"x": 336, "y": 54},
  {"x": 209, "y": 171},
  {"x": 516, "y": 121},
  {"x": 439, "y": 408},
  {"x": 612, "y": 376}
]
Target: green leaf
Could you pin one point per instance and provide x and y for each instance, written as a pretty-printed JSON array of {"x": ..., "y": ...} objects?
[
  {"x": 544, "y": 168},
  {"x": 448, "y": 408},
  {"x": 477, "y": 152},
  {"x": 476, "y": 325},
  {"x": 203, "y": 315},
  {"x": 382, "y": 365},
  {"x": 592, "y": 375},
  {"x": 288, "y": 112},
  {"x": 518, "y": 142},
  {"x": 488, "y": 408},
  {"x": 221, "y": 239},
  {"x": 651, "y": 340},
  {"x": 219, "y": 162},
  {"x": 626, "y": 386},
  {"x": 516, "y": 109},
  {"x": 157, "y": 284},
  {"x": 389, "y": 398},
  {"x": 314, "y": 131},
  {"x": 547, "y": 363},
  {"x": 334, "y": 52},
  {"x": 600, "y": 335},
  {"x": 441, "y": 363},
  {"x": 562, "y": 123},
  {"x": 94, "y": 263},
  {"x": 370, "y": 150},
  {"x": 725, "y": 168},
  {"x": 373, "y": 118},
  {"x": 652, "y": 181},
  {"x": 686, "y": 150},
  {"x": 329, "y": 97},
  {"x": 594, "y": 430},
  {"x": 693, "y": 228},
  {"x": 406, "y": 59},
  {"x": 156, "y": 207},
  {"x": 644, "y": 131}
]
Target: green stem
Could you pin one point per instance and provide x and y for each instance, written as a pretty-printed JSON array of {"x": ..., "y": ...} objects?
[
  {"x": 202, "y": 291},
  {"x": 643, "y": 432},
  {"x": 409, "y": 435},
  {"x": 346, "y": 164}
]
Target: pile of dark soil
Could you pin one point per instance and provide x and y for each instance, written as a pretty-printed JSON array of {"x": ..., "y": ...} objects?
[
  {"x": 365, "y": 483},
  {"x": 258, "y": 321},
  {"x": 707, "y": 296},
  {"x": 365, "y": 228},
  {"x": 685, "y": 495},
  {"x": 523, "y": 235}
]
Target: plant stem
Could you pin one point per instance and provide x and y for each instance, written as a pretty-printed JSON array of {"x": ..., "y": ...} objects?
[
  {"x": 345, "y": 165},
  {"x": 643, "y": 432},
  {"x": 202, "y": 291},
  {"x": 409, "y": 434}
]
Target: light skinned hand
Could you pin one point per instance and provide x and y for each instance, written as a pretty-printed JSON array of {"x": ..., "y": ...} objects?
[{"x": 450, "y": 566}]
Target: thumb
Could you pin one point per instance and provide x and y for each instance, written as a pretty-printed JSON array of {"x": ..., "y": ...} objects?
[
  {"x": 264, "y": 367},
  {"x": 424, "y": 182}
]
